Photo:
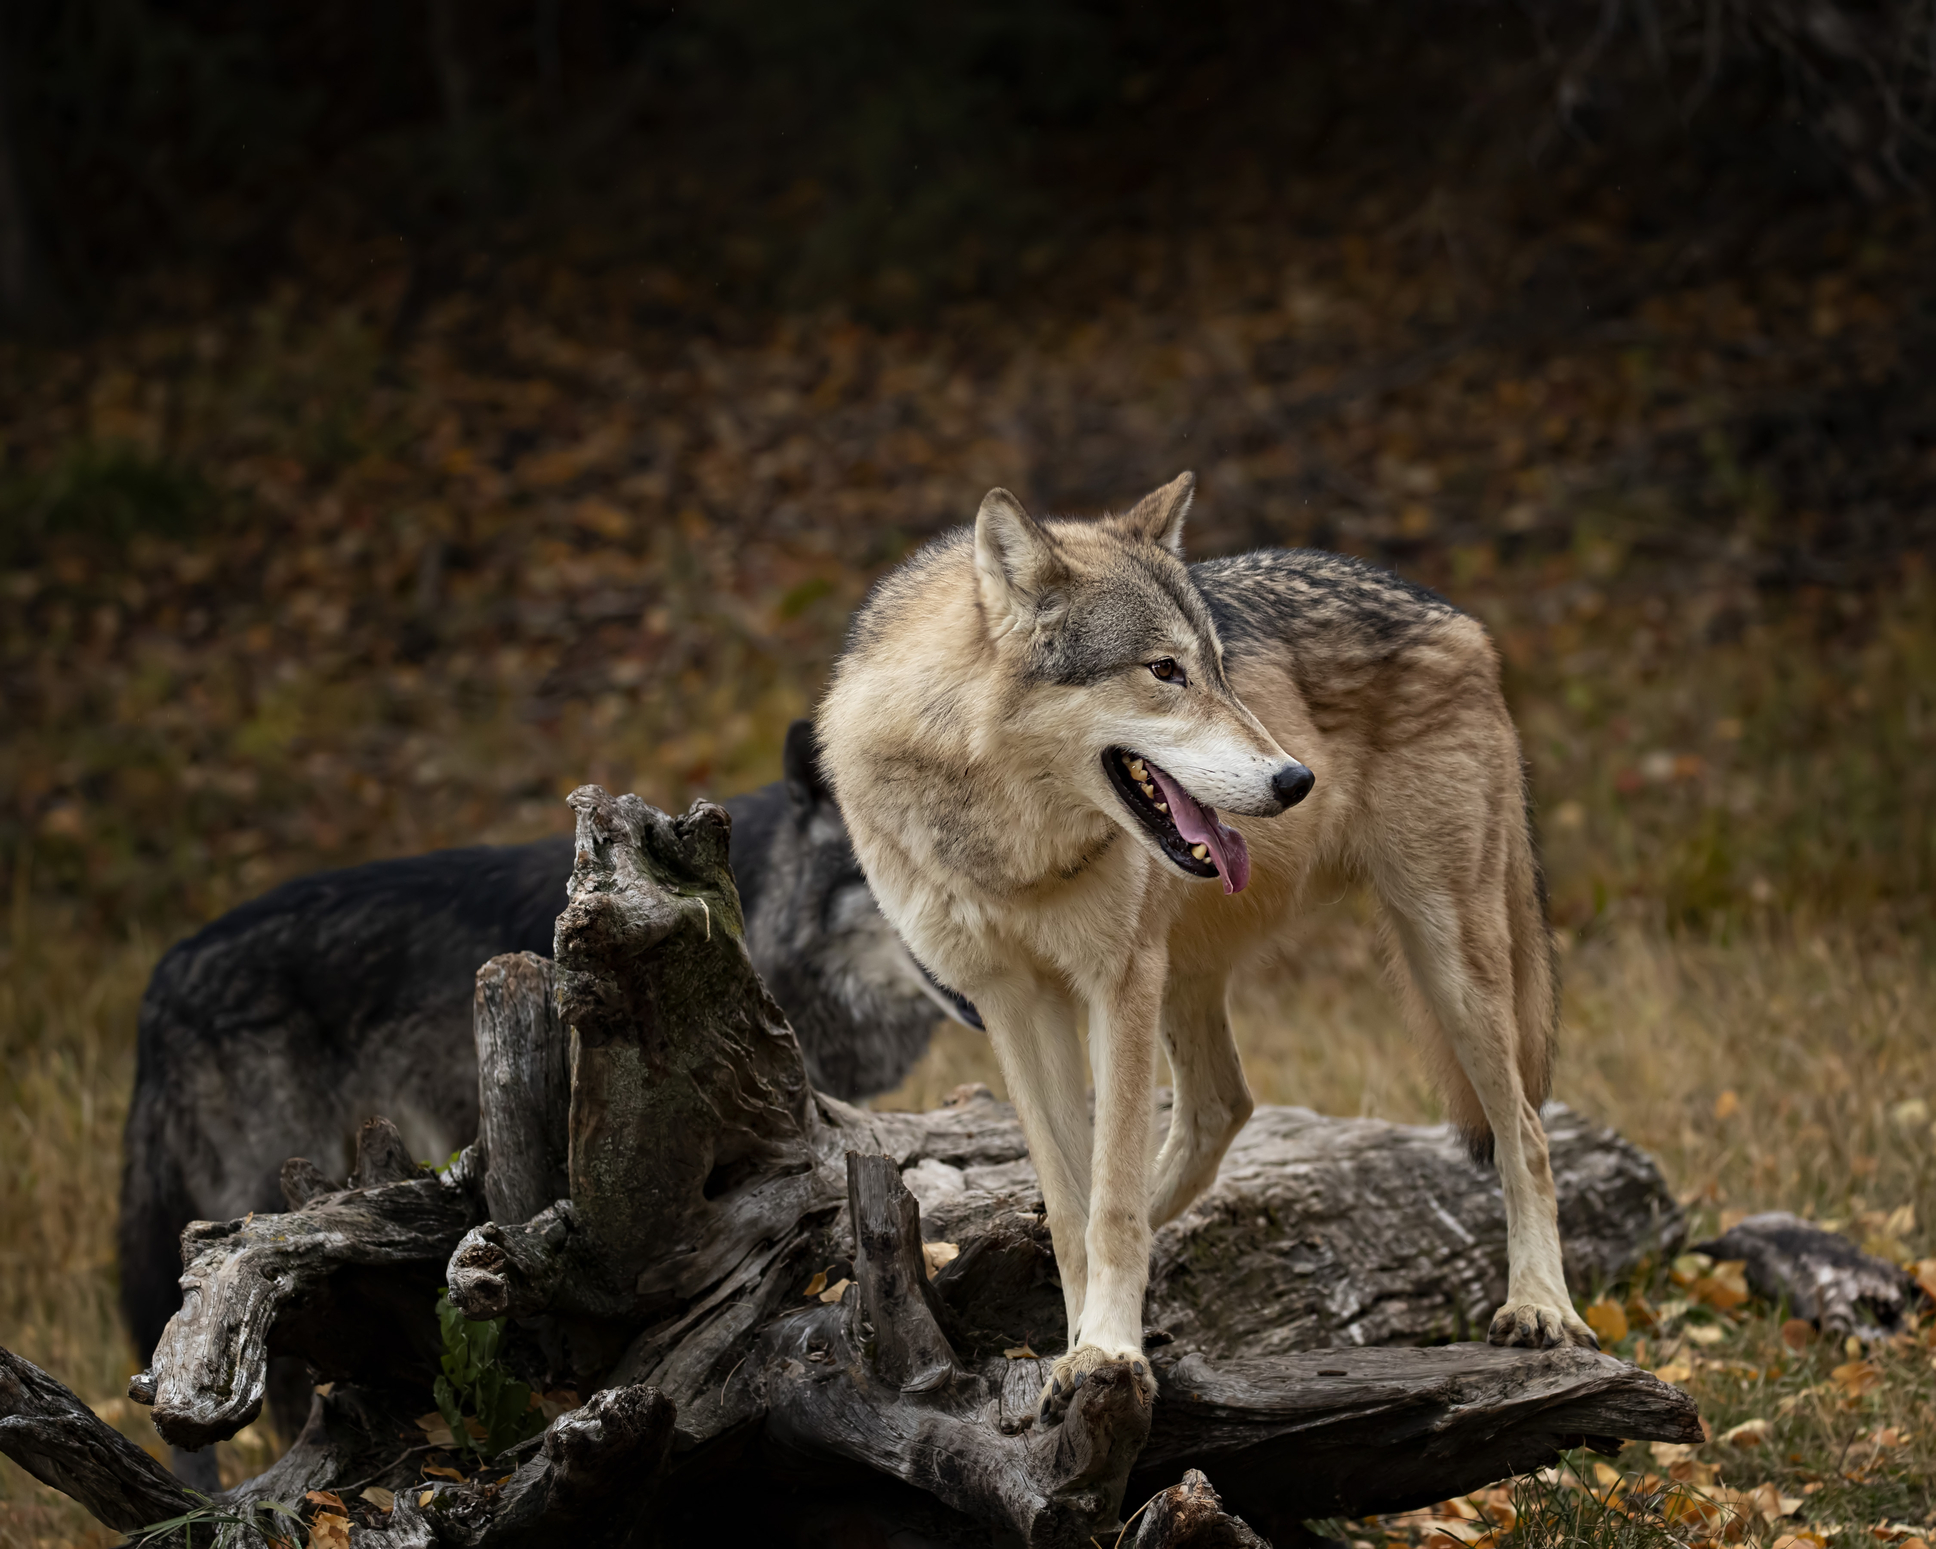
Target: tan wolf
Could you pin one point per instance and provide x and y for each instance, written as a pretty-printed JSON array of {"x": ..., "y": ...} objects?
[{"x": 1033, "y": 732}]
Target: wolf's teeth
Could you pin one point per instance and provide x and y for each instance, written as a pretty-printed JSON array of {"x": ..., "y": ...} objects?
[
  {"x": 1200, "y": 851},
  {"x": 1149, "y": 790},
  {"x": 1160, "y": 807},
  {"x": 1136, "y": 769}
]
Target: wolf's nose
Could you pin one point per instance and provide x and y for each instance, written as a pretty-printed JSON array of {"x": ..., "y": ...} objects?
[{"x": 1291, "y": 784}]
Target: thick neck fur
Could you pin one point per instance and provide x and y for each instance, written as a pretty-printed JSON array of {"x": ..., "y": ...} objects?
[{"x": 958, "y": 735}]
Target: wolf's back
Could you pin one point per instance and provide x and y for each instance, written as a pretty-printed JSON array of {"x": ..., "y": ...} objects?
[{"x": 273, "y": 1031}]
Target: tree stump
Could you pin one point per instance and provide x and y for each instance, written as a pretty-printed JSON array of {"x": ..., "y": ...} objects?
[{"x": 657, "y": 1199}]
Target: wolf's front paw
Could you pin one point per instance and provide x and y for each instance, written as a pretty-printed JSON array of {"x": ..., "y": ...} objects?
[
  {"x": 1540, "y": 1326},
  {"x": 1069, "y": 1373}
]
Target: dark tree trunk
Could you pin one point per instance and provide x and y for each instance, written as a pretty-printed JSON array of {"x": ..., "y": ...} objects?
[{"x": 707, "y": 1186}]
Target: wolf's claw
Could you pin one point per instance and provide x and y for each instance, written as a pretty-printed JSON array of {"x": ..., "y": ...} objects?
[
  {"x": 1076, "y": 1367},
  {"x": 1537, "y": 1326}
]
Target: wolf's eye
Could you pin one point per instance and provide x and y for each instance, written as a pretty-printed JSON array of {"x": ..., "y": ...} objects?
[{"x": 1167, "y": 671}]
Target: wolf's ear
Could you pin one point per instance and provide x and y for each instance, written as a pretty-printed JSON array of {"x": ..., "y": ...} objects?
[
  {"x": 1016, "y": 566},
  {"x": 800, "y": 764},
  {"x": 1158, "y": 516}
]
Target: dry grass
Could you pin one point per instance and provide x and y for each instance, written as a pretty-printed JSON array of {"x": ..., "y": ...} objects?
[
  {"x": 1765, "y": 1072},
  {"x": 475, "y": 606},
  {"x": 1824, "y": 1042}
]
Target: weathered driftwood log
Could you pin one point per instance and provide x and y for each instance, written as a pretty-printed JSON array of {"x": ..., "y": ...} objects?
[
  {"x": 347, "y": 1282},
  {"x": 61, "y": 1442},
  {"x": 524, "y": 1065},
  {"x": 1190, "y": 1515},
  {"x": 706, "y": 1183},
  {"x": 1823, "y": 1276}
]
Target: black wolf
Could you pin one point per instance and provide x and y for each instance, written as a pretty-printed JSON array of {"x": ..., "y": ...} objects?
[{"x": 276, "y": 1030}]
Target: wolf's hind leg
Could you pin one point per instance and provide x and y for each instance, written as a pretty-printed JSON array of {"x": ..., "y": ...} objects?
[
  {"x": 1458, "y": 947},
  {"x": 1032, "y": 1024},
  {"x": 1212, "y": 1099}
]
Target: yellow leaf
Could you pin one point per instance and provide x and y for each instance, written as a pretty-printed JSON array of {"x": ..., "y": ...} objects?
[
  {"x": 834, "y": 1292},
  {"x": 1607, "y": 1475},
  {"x": 1925, "y": 1273},
  {"x": 938, "y": 1256},
  {"x": 1856, "y": 1377},
  {"x": 327, "y": 1498},
  {"x": 1749, "y": 1433},
  {"x": 382, "y": 1499},
  {"x": 329, "y": 1531},
  {"x": 1689, "y": 1267},
  {"x": 1019, "y": 1352},
  {"x": 1727, "y": 1104},
  {"x": 1726, "y": 1287},
  {"x": 1608, "y": 1320},
  {"x": 425, "y": 1499},
  {"x": 816, "y": 1285},
  {"x": 1674, "y": 1371},
  {"x": 438, "y": 1471}
]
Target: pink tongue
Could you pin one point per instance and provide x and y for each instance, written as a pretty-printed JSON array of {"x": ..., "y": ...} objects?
[{"x": 1199, "y": 825}]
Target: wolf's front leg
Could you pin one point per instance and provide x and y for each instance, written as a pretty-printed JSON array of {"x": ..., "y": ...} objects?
[
  {"x": 1122, "y": 1053},
  {"x": 1031, "y": 1022}
]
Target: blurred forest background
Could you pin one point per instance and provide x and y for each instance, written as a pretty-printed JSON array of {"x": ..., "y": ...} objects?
[{"x": 412, "y": 410}]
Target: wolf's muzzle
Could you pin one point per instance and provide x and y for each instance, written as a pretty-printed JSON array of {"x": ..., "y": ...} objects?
[{"x": 1291, "y": 784}]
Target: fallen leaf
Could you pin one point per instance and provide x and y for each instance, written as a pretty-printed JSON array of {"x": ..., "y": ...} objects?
[
  {"x": 1608, "y": 1320},
  {"x": 1855, "y": 1378},
  {"x": 1674, "y": 1371},
  {"x": 1689, "y": 1267},
  {"x": 1666, "y": 1453},
  {"x": 1794, "y": 1401},
  {"x": 1725, "y": 1288},
  {"x": 1925, "y": 1273},
  {"x": 435, "y": 1430},
  {"x": 816, "y": 1285},
  {"x": 1020, "y": 1352},
  {"x": 329, "y": 1531},
  {"x": 438, "y": 1471},
  {"x": 425, "y": 1499},
  {"x": 1910, "y": 1114},
  {"x": 1749, "y": 1433},
  {"x": 1705, "y": 1333},
  {"x": 1764, "y": 1500},
  {"x": 1607, "y": 1474},
  {"x": 1808, "y": 1538},
  {"x": 1727, "y": 1104},
  {"x": 1799, "y": 1333},
  {"x": 834, "y": 1292},
  {"x": 938, "y": 1256},
  {"x": 382, "y": 1499},
  {"x": 327, "y": 1498}
]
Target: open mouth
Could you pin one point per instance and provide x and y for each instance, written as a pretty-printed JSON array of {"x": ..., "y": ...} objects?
[{"x": 1188, "y": 832}]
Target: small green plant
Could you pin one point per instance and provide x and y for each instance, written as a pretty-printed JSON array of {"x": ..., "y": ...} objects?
[
  {"x": 475, "y": 1383},
  {"x": 227, "y": 1524}
]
